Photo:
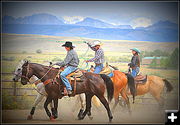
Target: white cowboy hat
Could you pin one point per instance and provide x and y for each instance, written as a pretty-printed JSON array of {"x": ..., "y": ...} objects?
[{"x": 95, "y": 43}]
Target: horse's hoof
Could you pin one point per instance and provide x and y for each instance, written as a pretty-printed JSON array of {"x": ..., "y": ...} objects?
[
  {"x": 52, "y": 118},
  {"x": 80, "y": 117},
  {"x": 90, "y": 117},
  {"x": 29, "y": 117},
  {"x": 110, "y": 119},
  {"x": 55, "y": 116}
]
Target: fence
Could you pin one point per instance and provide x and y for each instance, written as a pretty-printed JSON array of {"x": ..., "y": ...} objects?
[{"x": 17, "y": 91}]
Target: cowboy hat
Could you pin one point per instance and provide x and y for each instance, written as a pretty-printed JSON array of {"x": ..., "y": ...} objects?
[
  {"x": 96, "y": 43},
  {"x": 136, "y": 50},
  {"x": 68, "y": 44}
]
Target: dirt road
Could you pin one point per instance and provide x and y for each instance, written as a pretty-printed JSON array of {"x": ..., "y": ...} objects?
[{"x": 140, "y": 114}]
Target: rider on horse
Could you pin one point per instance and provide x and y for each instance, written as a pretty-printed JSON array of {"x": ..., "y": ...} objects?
[
  {"x": 71, "y": 61},
  {"x": 135, "y": 62},
  {"x": 99, "y": 56}
]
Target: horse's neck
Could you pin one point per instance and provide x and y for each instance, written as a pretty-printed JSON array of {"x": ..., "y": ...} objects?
[{"x": 44, "y": 73}]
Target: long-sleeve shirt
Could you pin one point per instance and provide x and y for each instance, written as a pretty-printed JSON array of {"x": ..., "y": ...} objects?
[
  {"x": 99, "y": 55},
  {"x": 135, "y": 61},
  {"x": 70, "y": 60}
]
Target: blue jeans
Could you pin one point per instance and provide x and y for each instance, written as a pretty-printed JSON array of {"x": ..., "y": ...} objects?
[
  {"x": 66, "y": 72},
  {"x": 135, "y": 72},
  {"x": 110, "y": 75},
  {"x": 98, "y": 68}
]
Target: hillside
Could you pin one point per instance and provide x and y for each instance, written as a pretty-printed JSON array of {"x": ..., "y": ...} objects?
[{"x": 48, "y": 44}]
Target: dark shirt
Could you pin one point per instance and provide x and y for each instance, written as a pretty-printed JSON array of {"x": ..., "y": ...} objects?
[{"x": 135, "y": 61}]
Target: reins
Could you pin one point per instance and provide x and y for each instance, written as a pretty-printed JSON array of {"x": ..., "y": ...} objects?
[{"x": 37, "y": 81}]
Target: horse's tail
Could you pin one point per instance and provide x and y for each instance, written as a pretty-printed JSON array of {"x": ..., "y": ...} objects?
[
  {"x": 168, "y": 85},
  {"x": 109, "y": 86},
  {"x": 131, "y": 85}
]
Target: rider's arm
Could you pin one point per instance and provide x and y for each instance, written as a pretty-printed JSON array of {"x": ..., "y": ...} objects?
[
  {"x": 68, "y": 58},
  {"x": 97, "y": 56}
]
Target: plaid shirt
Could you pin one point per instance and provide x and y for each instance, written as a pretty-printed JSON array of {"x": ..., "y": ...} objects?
[{"x": 99, "y": 55}]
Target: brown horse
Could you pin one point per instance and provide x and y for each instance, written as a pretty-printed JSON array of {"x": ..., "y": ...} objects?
[{"x": 91, "y": 84}]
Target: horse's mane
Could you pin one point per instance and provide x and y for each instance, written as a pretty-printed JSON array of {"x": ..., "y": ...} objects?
[{"x": 45, "y": 67}]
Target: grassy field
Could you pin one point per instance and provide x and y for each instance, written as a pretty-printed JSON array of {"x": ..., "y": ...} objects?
[{"x": 17, "y": 47}]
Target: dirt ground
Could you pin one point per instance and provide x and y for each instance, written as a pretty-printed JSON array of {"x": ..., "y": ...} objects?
[{"x": 140, "y": 114}]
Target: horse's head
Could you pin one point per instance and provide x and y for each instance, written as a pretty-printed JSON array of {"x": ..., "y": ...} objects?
[
  {"x": 18, "y": 71},
  {"x": 26, "y": 73}
]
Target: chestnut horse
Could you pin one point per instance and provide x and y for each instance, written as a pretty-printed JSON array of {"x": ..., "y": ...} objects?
[
  {"x": 120, "y": 81},
  {"x": 91, "y": 84}
]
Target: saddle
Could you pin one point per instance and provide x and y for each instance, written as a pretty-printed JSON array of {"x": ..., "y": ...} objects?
[
  {"x": 140, "y": 79},
  {"x": 106, "y": 71},
  {"x": 76, "y": 74}
]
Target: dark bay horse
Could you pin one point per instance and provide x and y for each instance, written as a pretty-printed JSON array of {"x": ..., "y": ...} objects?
[{"x": 92, "y": 84}]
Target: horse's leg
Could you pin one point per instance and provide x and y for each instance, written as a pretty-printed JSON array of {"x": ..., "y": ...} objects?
[
  {"x": 155, "y": 91},
  {"x": 48, "y": 100},
  {"x": 83, "y": 104},
  {"x": 82, "y": 101},
  {"x": 88, "y": 106},
  {"x": 126, "y": 98},
  {"x": 38, "y": 99},
  {"x": 159, "y": 98},
  {"x": 52, "y": 108},
  {"x": 106, "y": 105},
  {"x": 115, "y": 104},
  {"x": 55, "y": 113}
]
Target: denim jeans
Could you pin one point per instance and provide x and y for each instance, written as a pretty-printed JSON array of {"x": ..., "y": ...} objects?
[
  {"x": 98, "y": 68},
  {"x": 66, "y": 72},
  {"x": 135, "y": 72},
  {"x": 110, "y": 75}
]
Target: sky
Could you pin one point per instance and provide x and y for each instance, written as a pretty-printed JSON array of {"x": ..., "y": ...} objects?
[{"x": 136, "y": 14}]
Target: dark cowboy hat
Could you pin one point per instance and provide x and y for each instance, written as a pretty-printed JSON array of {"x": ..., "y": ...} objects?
[{"x": 68, "y": 44}]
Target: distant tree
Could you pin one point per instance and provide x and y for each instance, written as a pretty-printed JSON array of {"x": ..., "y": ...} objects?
[
  {"x": 38, "y": 51},
  {"x": 153, "y": 64},
  {"x": 174, "y": 59},
  {"x": 24, "y": 52},
  {"x": 164, "y": 62}
]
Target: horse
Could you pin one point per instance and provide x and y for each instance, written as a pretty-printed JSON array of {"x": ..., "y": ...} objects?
[
  {"x": 91, "y": 84},
  {"x": 40, "y": 88},
  {"x": 120, "y": 81},
  {"x": 155, "y": 86},
  {"x": 42, "y": 93}
]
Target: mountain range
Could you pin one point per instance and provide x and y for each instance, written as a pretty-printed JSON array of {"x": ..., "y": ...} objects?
[{"x": 47, "y": 24}]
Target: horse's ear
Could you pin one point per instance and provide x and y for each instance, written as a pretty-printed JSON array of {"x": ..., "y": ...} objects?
[{"x": 26, "y": 63}]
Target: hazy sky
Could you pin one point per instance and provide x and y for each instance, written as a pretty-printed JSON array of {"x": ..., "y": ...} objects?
[{"x": 135, "y": 14}]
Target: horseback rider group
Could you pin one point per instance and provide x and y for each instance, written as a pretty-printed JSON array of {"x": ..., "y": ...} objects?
[{"x": 72, "y": 61}]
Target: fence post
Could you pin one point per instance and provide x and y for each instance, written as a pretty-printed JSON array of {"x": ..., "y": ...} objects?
[{"x": 14, "y": 91}]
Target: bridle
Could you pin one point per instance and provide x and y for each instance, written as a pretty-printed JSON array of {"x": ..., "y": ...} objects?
[{"x": 26, "y": 76}]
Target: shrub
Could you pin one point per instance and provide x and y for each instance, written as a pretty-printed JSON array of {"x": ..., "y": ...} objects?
[
  {"x": 153, "y": 63},
  {"x": 12, "y": 58},
  {"x": 24, "y": 52},
  {"x": 38, "y": 51}
]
